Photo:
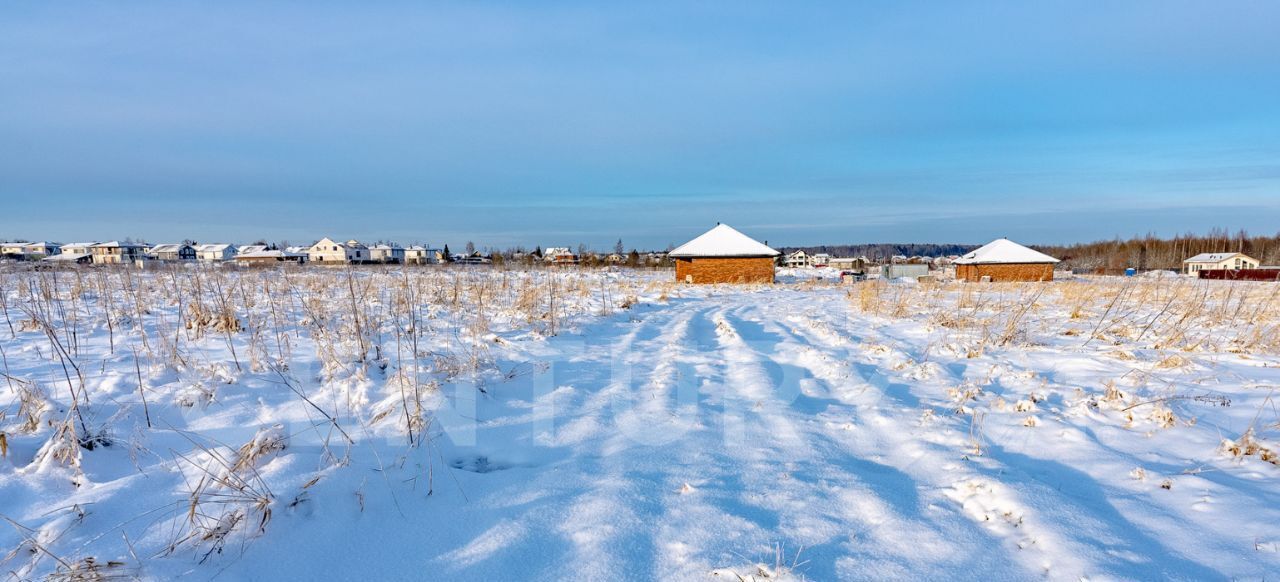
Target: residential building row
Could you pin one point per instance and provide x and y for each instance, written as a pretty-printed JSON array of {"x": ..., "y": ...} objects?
[{"x": 324, "y": 251}]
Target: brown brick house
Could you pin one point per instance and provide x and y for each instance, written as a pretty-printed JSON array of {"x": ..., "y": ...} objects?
[
  {"x": 724, "y": 255},
  {"x": 1005, "y": 260}
]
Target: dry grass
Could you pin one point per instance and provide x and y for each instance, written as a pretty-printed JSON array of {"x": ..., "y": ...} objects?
[
  {"x": 384, "y": 341},
  {"x": 1179, "y": 315},
  {"x": 1155, "y": 327}
]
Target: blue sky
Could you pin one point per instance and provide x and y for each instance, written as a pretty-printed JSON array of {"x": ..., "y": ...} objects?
[{"x": 541, "y": 123}]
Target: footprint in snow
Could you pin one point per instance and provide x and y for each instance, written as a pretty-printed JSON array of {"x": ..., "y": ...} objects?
[{"x": 479, "y": 464}]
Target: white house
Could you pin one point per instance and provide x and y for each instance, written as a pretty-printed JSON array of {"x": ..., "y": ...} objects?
[
  {"x": 215, "y": 252},
  {"x": 1218, "y": 261},
  {"x": 798, "y": 259},
  {"x": 420, "y": 255},
  {"x": 387, "y": 253},
  {"x": 821, "y": 259},
  {"x": 327, "y": 251},
  {"x": 81, "y": 252},
  {"x": 80, "y": 248},
  {"x": 116, "y": 252},
  {"x": 40, "y": 250},
  {"x": 173, "y": 252}
]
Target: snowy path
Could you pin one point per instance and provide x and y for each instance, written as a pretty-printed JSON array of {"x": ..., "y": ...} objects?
[{"x": 698, "y": 436}]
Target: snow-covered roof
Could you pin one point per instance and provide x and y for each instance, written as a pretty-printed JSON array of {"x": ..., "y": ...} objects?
[
  {"x": 1212, "y": 257},
  {"x": 116, "y": 243},
  {"x": 252, "y": 249},
  {"x": 167, "y": 248},
  {"x": 214, "y": 248},
  {"x": 723, "y": 241},
  {"x": 1004, "y": 250}
]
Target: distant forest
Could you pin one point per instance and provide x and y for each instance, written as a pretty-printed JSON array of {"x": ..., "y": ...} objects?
[
  {"x": 1150, "y": 252},
  {"x": 1110, "y": 256}
]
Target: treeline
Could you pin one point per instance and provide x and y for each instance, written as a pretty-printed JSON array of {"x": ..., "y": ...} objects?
[
  {"x": 1110, "y": 256},
  {"x": 882, "y": 252},
  {"x": 1151, "y": 252}
]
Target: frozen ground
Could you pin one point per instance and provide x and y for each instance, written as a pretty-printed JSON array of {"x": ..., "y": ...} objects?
[{"x": 468, "y": 425}]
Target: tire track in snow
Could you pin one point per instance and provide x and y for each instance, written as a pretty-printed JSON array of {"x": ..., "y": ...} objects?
[
  {"x": 607, "y": 525},
  {"x": 1002, "y": 493},
  {"x": 892, "y": 461}
]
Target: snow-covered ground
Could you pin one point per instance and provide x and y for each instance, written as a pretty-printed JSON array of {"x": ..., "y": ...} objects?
[{"x": 475, "y": 424}]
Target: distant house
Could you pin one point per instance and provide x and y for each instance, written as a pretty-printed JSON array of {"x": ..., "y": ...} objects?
[
  {"x": 268, "y": 257},
  {"x": 475, "y": 258},
  {"x": 252, "y": 249},
  {"x": 388, "y": 253},
  {"x": 798, "y": 259},
  {"x": 821, "y": 259},
  {"x": 615, "y": 258},
  {"x": 173, "y": 252},
  {"x": 1005, "y": 260},
  {"x": 117, "y": 253},
  {"x": 1218, "y": 262},
  {"x": 724, "y": 255},
  {"x": 29, "y": 251},
  {"x": 215, "y": 252},
  {"x": 13, "y": 250},
  {"x": 855, "y": 264},
  {"x": 40, "y": 250},
  {"x": 80, "y": 253},
  {"x": 420, "y": 255},
  {"x": 80, "y": 248},
  {"x": 559, "y": 256},
  {"x": 330, "y": 252}
]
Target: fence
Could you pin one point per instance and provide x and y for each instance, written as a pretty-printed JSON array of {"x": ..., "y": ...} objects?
[{"x": 1241, "y": 275}]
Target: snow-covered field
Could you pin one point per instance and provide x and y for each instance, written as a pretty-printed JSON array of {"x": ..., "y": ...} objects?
[{"x": 474, "y": 424}]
